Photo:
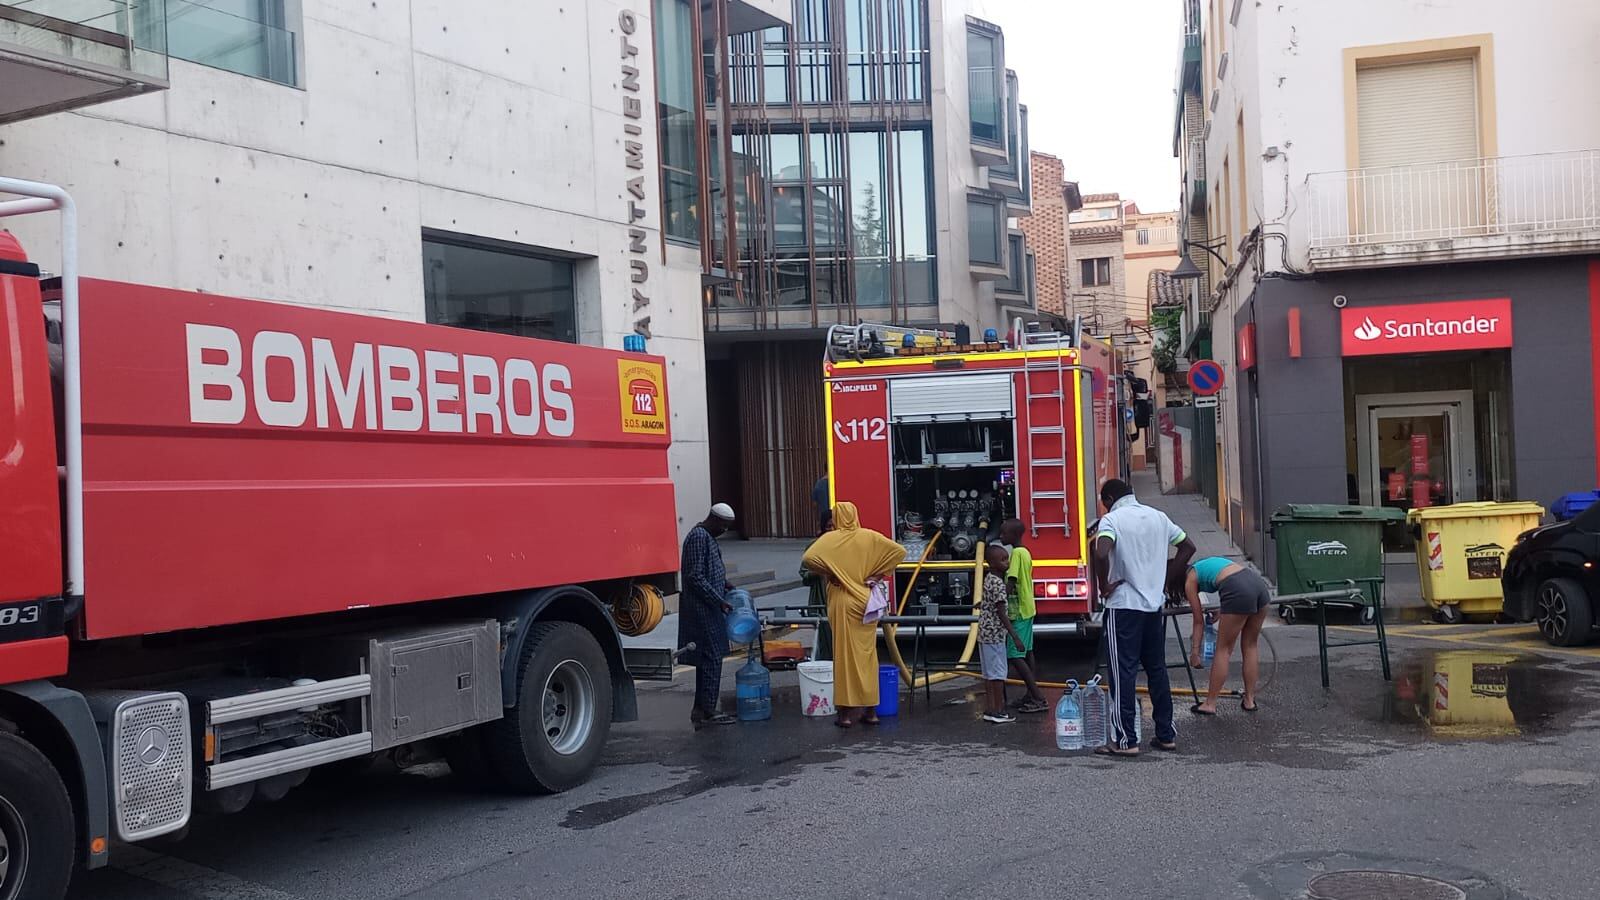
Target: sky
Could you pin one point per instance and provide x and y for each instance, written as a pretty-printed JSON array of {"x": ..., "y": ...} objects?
[{"x": 1097, "y": 77}]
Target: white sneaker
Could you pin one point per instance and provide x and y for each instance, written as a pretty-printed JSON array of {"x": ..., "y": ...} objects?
[{"x": 1004, "y": 718}]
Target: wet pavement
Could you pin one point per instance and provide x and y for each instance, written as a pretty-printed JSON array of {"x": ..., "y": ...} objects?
[{"x": 1474, "y": 768}]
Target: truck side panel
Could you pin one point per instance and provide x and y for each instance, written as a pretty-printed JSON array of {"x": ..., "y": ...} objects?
[
  {"x": 30, "y": 513},
  {"x": 248, "y": 461}
]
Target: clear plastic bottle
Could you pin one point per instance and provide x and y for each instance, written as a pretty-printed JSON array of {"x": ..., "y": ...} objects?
[
  {"x": 1069, "y": 719},
  {"x": 1208, "y": 642},
  {"x": 1093, "y": 701}
]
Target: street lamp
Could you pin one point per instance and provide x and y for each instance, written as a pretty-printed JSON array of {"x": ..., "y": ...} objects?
[{"x": 1187, "y": 270}]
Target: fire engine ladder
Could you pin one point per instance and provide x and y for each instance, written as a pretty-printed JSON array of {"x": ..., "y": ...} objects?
[{"x": 1037, "y": 464}]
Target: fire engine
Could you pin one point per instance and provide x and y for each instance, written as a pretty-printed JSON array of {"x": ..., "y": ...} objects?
[
  {"x": 938, "y": 441},
  {"x": 239, "y": 540}
]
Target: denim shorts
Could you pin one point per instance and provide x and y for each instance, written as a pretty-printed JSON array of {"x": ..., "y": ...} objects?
[{"x": 993, "y": 657}]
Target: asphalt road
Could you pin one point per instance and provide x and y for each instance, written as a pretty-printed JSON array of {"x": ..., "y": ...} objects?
[{"x": 1494, "y": 793}]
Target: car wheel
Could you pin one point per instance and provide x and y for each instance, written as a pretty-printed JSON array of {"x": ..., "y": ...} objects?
[
  {"x": 1563, "y": 614},
  {"x": 551, "y": 740}
]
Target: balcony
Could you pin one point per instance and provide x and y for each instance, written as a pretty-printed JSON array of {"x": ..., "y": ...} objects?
[
  {"x": 64, "y": 54},
  {"x": 1492, "y": 208}
]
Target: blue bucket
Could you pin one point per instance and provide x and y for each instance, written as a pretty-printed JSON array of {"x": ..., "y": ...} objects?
[{"x": 888, "y": 690}]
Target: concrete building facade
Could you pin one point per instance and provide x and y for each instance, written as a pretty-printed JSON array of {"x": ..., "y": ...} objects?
[{"x": 498, "y": 170}]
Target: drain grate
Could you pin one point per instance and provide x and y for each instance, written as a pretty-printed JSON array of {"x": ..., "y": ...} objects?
[{"x": 1374, "y": 885}]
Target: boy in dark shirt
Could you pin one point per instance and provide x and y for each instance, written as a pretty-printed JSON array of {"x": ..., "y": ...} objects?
[{"x": 994, "y": 626}]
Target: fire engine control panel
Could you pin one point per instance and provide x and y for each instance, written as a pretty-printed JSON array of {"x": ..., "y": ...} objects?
[{"x": 956, "y": 480}]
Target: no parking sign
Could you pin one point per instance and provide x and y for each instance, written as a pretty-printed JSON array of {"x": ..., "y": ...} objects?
[{"x": 1205, "y": 377}]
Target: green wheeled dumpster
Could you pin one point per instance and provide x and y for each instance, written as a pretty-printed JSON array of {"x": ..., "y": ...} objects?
[{"x": 1322, "y": 546}]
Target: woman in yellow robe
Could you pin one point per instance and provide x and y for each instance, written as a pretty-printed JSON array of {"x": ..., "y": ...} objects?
[{"x": 847, "y": 556}]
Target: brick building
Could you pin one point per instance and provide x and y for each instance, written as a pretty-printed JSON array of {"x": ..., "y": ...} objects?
[{"x": 1054, "y": 198}]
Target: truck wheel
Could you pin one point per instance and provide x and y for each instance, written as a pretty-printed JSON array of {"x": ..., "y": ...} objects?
[
  {"x": 37, "y": 838},
  {"x": 1564, "y": 615},
  {"x": 551, "y": 740}
]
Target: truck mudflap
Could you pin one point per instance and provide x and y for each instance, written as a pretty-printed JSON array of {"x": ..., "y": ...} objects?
[
  {"x": 70, "y": 712},
  {"x": 569, "y": 603}
]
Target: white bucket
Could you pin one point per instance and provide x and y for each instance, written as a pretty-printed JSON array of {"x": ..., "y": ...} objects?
[{"x": 816, "y": 688}]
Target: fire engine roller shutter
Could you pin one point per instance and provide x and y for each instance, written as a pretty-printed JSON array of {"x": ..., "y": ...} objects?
[{"x": 945, "y": 398}]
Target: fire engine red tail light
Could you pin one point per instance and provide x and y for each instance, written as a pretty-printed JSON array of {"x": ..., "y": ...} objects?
[
  {"x": 1053, "y": 589},
  {"x": 1064, "y": 590}
]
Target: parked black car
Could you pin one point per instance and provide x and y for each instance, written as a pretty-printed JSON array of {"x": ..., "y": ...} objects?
[{"x": 1551, "y": 578}]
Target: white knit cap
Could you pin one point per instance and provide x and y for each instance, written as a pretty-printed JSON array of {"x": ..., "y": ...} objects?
[{"x": 723, "y": 511}]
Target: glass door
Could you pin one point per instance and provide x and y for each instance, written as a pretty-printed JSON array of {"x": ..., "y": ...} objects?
[{"x": 1416, "y": 454}]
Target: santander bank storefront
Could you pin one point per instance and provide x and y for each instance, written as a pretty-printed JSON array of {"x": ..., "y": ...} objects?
[{"x": 1418, "y": 387}]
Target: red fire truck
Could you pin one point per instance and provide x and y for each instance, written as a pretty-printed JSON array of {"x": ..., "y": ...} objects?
[
  {"x": 937, "y": 442},
  {"x": 241, "y": 539}
]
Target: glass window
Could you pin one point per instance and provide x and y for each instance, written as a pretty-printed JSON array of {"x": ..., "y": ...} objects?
[
  {"x": 1008, "y": 171},
  {"x": 1016, "y": 261},
  {"x": 785, "y": 149},
  {"x": 774, "y": 75},
  {"x": 251, "y": 37},
  {"x": 1143, "y": 235},
  {"x": 984, "y": 224},
  {"x": 985, "y": 90},
  {"x": 679, "y": 123},
  {"x": 489, "y": 286},
  {"x": 1095, "y": 272}
]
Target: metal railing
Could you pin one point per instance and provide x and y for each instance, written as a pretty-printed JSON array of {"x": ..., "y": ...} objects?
[
  {"x": 120, "y": 24},
  {"x": 1531, "y": 196}
]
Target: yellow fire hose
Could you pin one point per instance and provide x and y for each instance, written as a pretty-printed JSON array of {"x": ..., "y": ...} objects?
[
  {"x": 889, "y": 631},
  {"x": 893, "y": 646}
]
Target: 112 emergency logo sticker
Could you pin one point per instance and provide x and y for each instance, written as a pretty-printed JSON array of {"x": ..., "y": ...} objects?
[{"x": 642, "y": 386}]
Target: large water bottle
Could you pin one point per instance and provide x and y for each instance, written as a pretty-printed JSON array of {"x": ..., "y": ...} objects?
[
  {"x": 742, "y": 621},
  {"x": 753, "y": 689},
  {"x": 1069, "y": 719},
  {"x": 1208, "y": 642},
  {"x": 1093, "y": 701}
]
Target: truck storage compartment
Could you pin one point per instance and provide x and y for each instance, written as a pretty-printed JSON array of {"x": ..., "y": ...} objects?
[{"x": 301, "y": 461}]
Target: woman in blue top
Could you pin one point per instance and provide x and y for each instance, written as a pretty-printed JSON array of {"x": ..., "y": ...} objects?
[{"x": 1245, "y": 601}]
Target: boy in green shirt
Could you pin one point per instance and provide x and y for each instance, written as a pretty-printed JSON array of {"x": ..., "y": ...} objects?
[{"x": 1019, "y": 583}]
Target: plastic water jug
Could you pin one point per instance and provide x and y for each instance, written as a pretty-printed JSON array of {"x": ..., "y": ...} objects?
[
  {"x": 753, "y": 690},
  {"x": 1069, "y": 719},
  {"x": 1093, "y": 700},
  {"x": 1208, "y": 643},
  {"x": 742, "y": 625}
]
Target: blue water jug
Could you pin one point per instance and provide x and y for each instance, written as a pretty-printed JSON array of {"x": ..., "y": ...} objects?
[
  {"x": 753, "y": 690},
  {"x": 1208, "y": 643},
  {"x": 742, "y": 625}
]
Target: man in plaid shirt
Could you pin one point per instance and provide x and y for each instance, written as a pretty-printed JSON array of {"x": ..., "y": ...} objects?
[{"x": 703, "y": 613}]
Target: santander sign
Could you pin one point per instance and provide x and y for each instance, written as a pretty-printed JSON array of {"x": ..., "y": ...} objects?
[{"x": 1426, "y": 327}]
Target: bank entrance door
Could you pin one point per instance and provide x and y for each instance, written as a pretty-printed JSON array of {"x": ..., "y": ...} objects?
[{"x": 1416, "y": 450}]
